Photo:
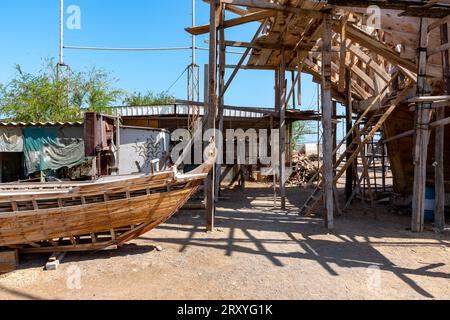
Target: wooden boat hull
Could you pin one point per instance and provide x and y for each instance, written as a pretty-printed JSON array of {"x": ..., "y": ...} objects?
[{"x": 92, "y": 216}]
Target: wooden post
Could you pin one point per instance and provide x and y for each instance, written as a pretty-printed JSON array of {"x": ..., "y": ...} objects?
[
  {"x": 334, "y": 130},
  {"x": 294, "y": 83},
  {"x": 273, "y": 166},
  {"x": 383, "y": 166},
  {"x": 327, "y": 123},
  {"x": 439, "y": 140},
  {"x": 272, "y": 127},
  {"x": 374, "y": 166},
  {"x": 222, "y": 61},
  {"x": 118, "y": 142},
  {"x": 212, "y": 108},
  {"x": 349, "y": 125},
  {"x": 422, "y": 134},
  {"x": 282, "y": 105}
]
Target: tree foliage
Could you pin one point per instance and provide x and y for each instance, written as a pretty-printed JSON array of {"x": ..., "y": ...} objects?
[
  {"x": 148, "y": 99},
  {"x": 300, "y": 129},
  {"x": 48, "y": 96}
]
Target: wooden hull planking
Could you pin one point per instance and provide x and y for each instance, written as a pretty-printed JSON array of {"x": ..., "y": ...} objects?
[{"x": 39, "y": 218}]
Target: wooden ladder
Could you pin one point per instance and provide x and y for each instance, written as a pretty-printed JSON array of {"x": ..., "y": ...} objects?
[{"x": 372, "y": 126}]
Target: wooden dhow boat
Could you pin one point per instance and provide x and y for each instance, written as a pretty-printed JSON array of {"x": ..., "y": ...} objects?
[{"x": 91, "y": 216}]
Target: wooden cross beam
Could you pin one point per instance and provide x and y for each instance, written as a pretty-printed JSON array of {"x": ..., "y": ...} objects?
[
  {"x": 256, "y": 16},
  {"x": 273, "y": 6},
  {"x": 233, "y": 9},
  {"x": 375, "y": 45}
]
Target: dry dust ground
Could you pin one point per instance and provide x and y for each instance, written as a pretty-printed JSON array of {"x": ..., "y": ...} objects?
[{"x": 256, "y": 253}]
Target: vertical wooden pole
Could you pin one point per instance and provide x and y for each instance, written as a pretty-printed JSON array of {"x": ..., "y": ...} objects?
[
  {"x": 273, "y": 164},
  {"x": 439, "y": 143},
  {"x": 383, "y": 167},
  {"x": 222, "y": 61},
  {"x": 294, "y": 83},
  {"x": 212, "y": 108},
  {"x": 275, "y": 168},
  {"x": 327, "y": 123},
  {"x": 118, "y": 143},
  {"x": 282, "y": 105},
  {"x": 334, "y": 130},
  {"x": 422, "y": 134},
  {"x": 349, "y": 125},
  {"x": 374, "y": 165}
]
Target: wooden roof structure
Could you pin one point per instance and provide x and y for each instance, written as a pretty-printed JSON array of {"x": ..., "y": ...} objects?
[
  {"x": 370, "y": 52},
  {"x": 373, "y": 56}
]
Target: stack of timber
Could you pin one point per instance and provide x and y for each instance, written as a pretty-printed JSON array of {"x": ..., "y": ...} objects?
[
  {"x": 305, "y": 170},
  {"x": 91, "y": 216}
]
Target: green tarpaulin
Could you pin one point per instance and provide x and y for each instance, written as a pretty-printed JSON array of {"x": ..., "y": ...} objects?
[{"x": 52, "y": 148}]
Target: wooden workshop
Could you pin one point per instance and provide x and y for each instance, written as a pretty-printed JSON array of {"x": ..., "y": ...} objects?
[{"x": 387, "y": 62}]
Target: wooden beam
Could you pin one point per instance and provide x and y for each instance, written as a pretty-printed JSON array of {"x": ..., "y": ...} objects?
[
  {"x": 375, "y": 45},
  {"x": 392, "y": 4},
  {"x": 442, "y": 47},
  {"x": 212, "y": 107},
  {"x": 409, "y": 133},
  {"x": 282, "y": 107},
  {"x": 349, "y": 125},
  {"x": 251, "y": 17},
  {"x": 439, "y": 23},
  {"x": 258, "y": 46},
  {"x": 422, "y": 135},
  {"x": 234, "y": 9},
  {"x": 342, "y": 54},
  {"x": 328, "y": 173},
  {"x": 221, "y": 102},
  {"x": 259, "y": 4},
  {"x": 439, "y": 221}
]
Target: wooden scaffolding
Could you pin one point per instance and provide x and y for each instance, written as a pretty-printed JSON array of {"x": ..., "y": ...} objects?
[{"x": 373, "y": 57}]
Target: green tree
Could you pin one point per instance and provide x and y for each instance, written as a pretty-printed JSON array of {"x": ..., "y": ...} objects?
[
  {"x": 299, "y": 130},
  {"x": 49, "y": 96},
  {"x": 148, "y": 99}
]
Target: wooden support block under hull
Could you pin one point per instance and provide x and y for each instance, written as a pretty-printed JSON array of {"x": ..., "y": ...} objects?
[{"x": 9, "y": 260}]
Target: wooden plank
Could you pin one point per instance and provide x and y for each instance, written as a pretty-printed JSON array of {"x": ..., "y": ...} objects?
[
  {"x": 240, "y": 63},
  {"x": 251, "y": 17},
  {"x": 259, "y": 4},
  {"x": 328, "y": 173}
]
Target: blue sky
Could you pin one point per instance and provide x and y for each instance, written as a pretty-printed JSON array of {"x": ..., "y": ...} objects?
[{"x": 29, "y": 31}]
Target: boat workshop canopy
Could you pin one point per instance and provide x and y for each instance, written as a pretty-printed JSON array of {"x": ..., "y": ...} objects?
[{"x": 366, "y": 54}]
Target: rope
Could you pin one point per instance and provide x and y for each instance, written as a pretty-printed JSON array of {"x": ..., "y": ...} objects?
[{"x": 181, "y": 75}]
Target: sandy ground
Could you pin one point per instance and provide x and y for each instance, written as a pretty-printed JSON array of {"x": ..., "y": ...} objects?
[{"x": 256, "y": 253}]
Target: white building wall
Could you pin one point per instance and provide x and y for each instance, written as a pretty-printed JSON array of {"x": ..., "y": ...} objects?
[{"x": 139, "y": 146}]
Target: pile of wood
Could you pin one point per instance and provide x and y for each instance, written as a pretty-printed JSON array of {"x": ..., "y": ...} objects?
[{"x": 304, "y": 169}]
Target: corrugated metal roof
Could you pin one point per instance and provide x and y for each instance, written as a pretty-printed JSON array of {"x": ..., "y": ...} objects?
[
  {"x": 39, "y": 124},
  {"x": 180, "y": 109}
]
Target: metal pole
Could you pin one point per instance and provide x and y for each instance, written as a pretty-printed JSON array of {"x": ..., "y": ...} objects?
[
  {"x": 61, "y": 32},
  {"x": 193, "y": 37}
]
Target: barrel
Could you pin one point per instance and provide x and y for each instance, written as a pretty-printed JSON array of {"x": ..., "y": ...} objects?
[{"x": 430, "y": 203}]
